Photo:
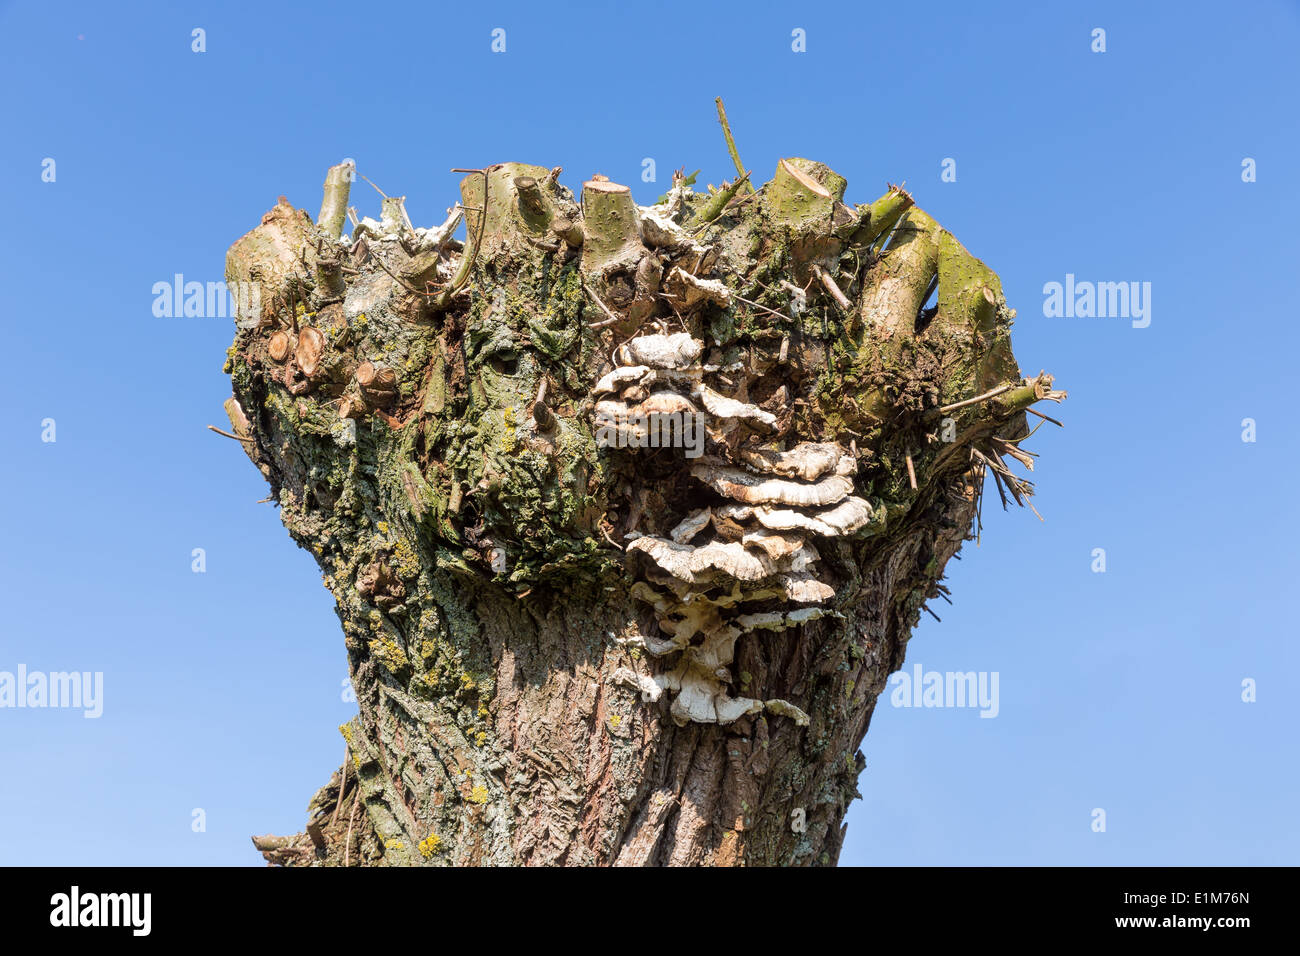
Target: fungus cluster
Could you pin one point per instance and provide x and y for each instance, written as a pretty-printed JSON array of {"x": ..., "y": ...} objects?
[{"x": 746, "y": 560}]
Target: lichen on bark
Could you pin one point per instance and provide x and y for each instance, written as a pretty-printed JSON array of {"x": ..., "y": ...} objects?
[{"x": 570, "y": 652}]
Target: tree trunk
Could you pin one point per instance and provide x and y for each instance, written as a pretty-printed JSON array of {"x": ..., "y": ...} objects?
[{"x": 628, "y": 511}]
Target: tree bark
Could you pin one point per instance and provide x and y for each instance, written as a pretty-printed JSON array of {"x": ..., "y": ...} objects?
[{"x": 573, "y": 653}]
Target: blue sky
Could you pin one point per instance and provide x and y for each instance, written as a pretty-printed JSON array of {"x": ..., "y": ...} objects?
[{"x": 1119, "y": 690}]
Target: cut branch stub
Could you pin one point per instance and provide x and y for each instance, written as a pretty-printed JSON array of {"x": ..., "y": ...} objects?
[
  {"x": 278, "y": 346},
  {"x": 804, "y": 199},
  {"x": 884, "y": 213},
  {"x": 330, "y": 285},
  {"x": 334, "y": 204},
  {"x": 611, "y": 232},
  {"x": 531, "y": 201},
  {"x": 969, "y": 290},
  {"x": 898, "y": 283},
  {"x": 511, "y": 218},
  {"x": 568, "y": 230},
  {"x": 268, "y": 257},
  {"x": 544, "y": 417},
  {"x": 395, "y": 220},
  {"x": 623, "y": 275},
  {"x": 805, "y": 196},
  {"x": 421, "y": 270},
  {"x": 311, "y": 346},
  {"x": 378, "y": 385},
  {"x": 239, "y": 423},
  {"x": 823, "y": 175},
  {"x": 971, "y": 304},
  {"x": 1033, "y": 390}
]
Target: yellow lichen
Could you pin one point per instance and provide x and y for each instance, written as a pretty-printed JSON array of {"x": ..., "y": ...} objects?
[
  {"x": 408, "y": 563},
  {"x": 615, "y": 721},
  {"x": 392, "y": 844},
  {"x": 478, "y": 795},
  {"x": 388, "y": 653},
  {"x": 509, "y": 441},
  {"x": 430, "y": 845}
]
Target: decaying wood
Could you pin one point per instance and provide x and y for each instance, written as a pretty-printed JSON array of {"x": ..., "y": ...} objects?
[{"x": 572, "y": 650}]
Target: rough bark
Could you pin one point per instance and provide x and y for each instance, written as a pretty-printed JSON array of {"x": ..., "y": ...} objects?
[{"x": 425, "y": 413}]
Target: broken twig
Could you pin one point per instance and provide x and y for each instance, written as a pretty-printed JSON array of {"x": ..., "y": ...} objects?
[{"x": 227, "y": 434}]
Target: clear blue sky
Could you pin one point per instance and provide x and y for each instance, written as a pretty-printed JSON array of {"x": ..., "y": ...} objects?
[{"x": 1119, "y": 690}]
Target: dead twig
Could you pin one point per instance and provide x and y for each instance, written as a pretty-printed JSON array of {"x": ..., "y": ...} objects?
[
  {"x": 408, "y": 288},
  {"x": 761, "y": 308},
  {"x": 609, "y": 539},
  {"x": 611, "y": 315},
  {"x": 829, "y": 285},
  {"x": 352, "y": 818},
  {"x": 228, "y": 435},
  {"x": 1034, "y": 411},
  {"x": 731, "y": 143},
  {"x": 468, "y": 258},
  {"x": 343, "y": 784},
  {"x": 992, "y": 393}
]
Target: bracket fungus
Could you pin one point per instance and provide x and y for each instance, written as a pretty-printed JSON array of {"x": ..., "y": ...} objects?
[{"x": 771, "y": 562}]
